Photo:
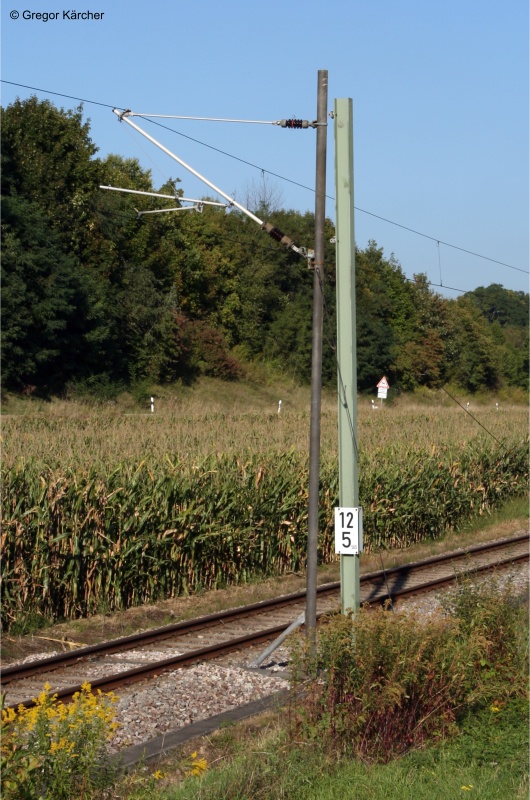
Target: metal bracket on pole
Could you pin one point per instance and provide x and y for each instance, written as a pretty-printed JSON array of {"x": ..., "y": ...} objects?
[
  {"x": 175, "y": 196},
  {"x": 198, "y": 205},
  {"x": 277, "y": 642},
  {"x": 140, "y": 214}
]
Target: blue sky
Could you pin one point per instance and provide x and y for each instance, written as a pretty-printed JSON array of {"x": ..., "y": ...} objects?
[{"x": 440, "y": 94}]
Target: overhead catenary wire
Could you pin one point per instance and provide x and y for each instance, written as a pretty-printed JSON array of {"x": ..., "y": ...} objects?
[
  {"x": 273, "y": 174},
  {"x": 272, "y": 249},
  {"x": 331, "y": 197},
  {"x": 274, "y": 232},
  {"x": 260, "y": 245},
  {"x": 333, "y": 346},
  {"x": 283, "y": 123},
  {"x": 58, "y": 94}
]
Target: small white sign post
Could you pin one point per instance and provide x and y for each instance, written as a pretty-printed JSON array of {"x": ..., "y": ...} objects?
[
  {"x": 382, "y": 388},
  {"x": 348, "y": 531}
]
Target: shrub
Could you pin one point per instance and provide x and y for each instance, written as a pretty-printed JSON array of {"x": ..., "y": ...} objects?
[
  {"x": 382, "y": 683},
  {"x": 491, "y": 613}
]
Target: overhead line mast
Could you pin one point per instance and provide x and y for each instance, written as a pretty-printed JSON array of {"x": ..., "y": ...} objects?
[
  {"x": 316, "y": 360},
  {"x": 316, "y": 261}
]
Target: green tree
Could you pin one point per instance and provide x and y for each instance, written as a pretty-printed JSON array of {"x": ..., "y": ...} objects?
[
  {"x": 420, "y": 358},
  {"x": 48, "y": 157},
  {"x": 473, "y": 357},
  {"x": 375, "y": 334},
  {"x": 507, "y": 313},
  {"x": 501, "y": 305},
  {"x": 48, "y": 324}
]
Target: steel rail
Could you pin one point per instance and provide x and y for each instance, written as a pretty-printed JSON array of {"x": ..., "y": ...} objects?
[
  {"x": 111, "y": 682},
  {"x": 20, "y": 671}
]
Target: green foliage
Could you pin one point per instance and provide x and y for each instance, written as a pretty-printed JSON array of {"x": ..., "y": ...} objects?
[
  {"x": 501, "y": 305},
  {"x": 475, "y": 357},
  {"x": 421, "y": 354},
  {"x": 53, "y": 751},
  {"x": 92, "y": 293},
  {"x": 375, "y": 335},
  {"x": 134, "y": 533},
  {"x": 29, "y": 622},
  {"x": 207, "y": 352},
  {"x": 46, "y": 331},
  {"x": 381, "y": 684},
  {"x": 492, "y": 614},
  {"x": 47, "y": 156}
]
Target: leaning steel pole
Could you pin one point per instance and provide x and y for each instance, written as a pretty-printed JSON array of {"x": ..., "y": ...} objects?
[{"x": 316, "y": 362}]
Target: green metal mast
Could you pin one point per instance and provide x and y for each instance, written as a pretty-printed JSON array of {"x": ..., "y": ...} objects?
[{"x": 346, "y": 339}]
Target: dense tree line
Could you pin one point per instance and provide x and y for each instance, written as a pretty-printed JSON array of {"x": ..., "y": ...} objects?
[{"x": 95, "y": 299}]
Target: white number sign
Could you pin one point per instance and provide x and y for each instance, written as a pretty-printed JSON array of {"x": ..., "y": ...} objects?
[{"x": 349, "y": 531}]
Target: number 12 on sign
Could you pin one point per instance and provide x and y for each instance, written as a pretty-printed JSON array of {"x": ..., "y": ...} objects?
[{"x": 349, "y": 531}]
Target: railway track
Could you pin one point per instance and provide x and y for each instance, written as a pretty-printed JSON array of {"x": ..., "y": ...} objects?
[{"x": 121, "y": 662}]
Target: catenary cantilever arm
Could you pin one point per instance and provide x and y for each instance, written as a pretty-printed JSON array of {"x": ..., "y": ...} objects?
[
  {"x": 165, "y": 196},
  {"x": 123, "y": 116}
]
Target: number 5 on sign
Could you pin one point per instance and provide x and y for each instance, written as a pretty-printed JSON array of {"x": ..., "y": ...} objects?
[{"x": 349, "y": 531}]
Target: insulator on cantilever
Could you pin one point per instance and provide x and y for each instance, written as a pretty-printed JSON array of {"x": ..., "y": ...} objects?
[
  {"x": 294, "y": 123},
  {"x": 277, "y": 234}
]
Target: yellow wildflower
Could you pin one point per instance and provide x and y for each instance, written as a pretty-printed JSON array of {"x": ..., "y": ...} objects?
[
  {"x": 198, "y": 765},
  {"x": 8, "y": 715}
]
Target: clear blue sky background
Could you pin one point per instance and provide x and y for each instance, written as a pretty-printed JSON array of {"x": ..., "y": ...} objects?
[{"x": 440, "y": 93}]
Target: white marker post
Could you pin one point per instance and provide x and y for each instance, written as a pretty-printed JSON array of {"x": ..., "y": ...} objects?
[
  {"x": 279, "y": 406},
  {"x": 152, "y": 405},
  {"x": 382, "y": 388}
]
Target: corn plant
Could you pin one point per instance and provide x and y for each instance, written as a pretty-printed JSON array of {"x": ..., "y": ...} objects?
[{"x": 132, "y": 533}]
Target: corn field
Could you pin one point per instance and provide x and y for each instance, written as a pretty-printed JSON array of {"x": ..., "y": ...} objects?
[{"x": 82, "y": 528}]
